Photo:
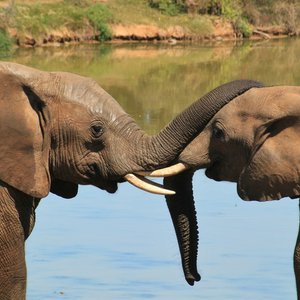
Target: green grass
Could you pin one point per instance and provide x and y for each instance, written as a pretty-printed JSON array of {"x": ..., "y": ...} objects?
[
  {"x": 37, "y": 19},
  {"x": 98, "y": 16},
  {"x": 5, "y": 43},
  {"x": 139, "y": 12}
]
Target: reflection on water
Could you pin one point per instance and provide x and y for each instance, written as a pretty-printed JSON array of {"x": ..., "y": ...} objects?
[
  {"x": 101, "y": 246},
  {"x": 154, "y": 82}
]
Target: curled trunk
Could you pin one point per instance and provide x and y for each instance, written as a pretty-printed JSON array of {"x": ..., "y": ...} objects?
[{"x": 171, "y": 140}]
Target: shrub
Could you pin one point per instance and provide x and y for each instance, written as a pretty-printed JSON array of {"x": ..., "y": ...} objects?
[
  {"x": 243, "y": 27},
  {"x": 98, "y": 16},
  {"x": 5, "y": 42},
  {"x": 286, "y": 14},
  {"x": 168, "y": 7}
]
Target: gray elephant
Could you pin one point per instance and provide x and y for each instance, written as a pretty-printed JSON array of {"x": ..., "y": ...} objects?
[
  {"x": 59, "y": 130},
  {"x": 253, "y": 141}
]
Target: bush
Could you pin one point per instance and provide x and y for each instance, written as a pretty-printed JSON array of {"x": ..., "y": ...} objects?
[
  {"x": 168, "y": 7},
  {"x": 242, "y": 27},
  {"x": 286, "y": 14},
  {"x": 270, "y": 12},
  {"x": 98, "y": 16},
  {"x": 5, "y": 42}
]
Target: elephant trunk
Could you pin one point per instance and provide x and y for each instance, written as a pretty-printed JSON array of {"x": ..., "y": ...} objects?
[
  {"x": 182, "y": 210},
  {"x": 150, "y": 153},
  {"x": 173, "y": 138},
  {"x": 163, "y": 148}
]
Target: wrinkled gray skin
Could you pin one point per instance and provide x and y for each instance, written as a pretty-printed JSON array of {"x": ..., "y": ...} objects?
[
  {"x": 253, "y": 141},
  {"x": 59, "y": 130}
]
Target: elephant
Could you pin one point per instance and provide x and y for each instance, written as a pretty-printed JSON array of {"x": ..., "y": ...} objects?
[
  {"x": 253, "y": 141},
  {"x": 59, "y": 130}
]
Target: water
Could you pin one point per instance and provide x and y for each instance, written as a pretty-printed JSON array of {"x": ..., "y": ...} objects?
[{"x": 123, "y": 246}]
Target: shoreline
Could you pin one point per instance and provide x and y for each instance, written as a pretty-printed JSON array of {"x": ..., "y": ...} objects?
[
  {"x": 223, "y": 31},
  {"x": 29, "y": 23}
]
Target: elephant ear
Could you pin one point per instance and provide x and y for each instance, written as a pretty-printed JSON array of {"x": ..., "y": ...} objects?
[
  {"x": 274, "y": 166},
  {"x": 24, "y": 135}
]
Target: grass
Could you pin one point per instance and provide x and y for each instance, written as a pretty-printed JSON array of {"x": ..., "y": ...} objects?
[
  {"x": 5, "y": 43},
  {"x": 139, "y": 12},
  {"x": 37, "y": 19},
  {"x": 98, "y": 16}
]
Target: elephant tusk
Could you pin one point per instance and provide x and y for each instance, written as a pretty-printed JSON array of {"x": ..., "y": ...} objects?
[
  {"x": 165, "y": 172},
  {"x": 147, "y": 185}
]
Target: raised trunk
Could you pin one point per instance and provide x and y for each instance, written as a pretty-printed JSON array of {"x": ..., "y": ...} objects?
[
  {"x": 171, "y": 140},
  {"x": 182, "y": 210}
]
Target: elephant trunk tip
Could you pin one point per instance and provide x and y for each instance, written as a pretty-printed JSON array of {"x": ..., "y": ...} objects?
[{"x": 190, "y": 279}]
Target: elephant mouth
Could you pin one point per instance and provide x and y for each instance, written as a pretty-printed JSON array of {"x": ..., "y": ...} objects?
[
  {"x": 212, "y": 171},
  {"x": 137, "y": 180},
  {"x": 108, "y": 186},
  {"x": 95, "y": 177}
]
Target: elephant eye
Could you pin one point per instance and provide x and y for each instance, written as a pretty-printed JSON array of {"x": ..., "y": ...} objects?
[
  {"x": 218, "y": 133},
  {"x": 96, "y": 130}
]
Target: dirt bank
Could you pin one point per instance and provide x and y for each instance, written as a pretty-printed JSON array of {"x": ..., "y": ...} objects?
[{"x": 222, "y": 30}]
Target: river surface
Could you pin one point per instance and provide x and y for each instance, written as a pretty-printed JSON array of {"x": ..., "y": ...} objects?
[{"x": 123, "y": 246}]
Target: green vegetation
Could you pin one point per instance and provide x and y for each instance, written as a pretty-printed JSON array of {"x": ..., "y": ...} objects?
[
  {"x": 242, "y": 13},
  {"x": 38, "y": 19},
  {"x": 98, "y": 16},
  {"x": 5, "y": 43},
  {"x": 169, "y": 7},
  {"x": 65, "y": 20}
]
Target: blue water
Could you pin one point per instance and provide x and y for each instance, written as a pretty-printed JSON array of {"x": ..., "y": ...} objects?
[{"x": 123, "y": 246}]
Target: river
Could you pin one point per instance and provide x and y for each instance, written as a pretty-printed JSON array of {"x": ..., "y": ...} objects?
[{"x": 123, "y": 246}]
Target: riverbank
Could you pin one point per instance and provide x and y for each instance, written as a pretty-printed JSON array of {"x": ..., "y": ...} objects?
[{"x": 55, "y": 22}]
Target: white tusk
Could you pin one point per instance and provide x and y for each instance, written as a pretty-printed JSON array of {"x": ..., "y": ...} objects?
[
  {"x": 165, "y": 172},
  {"x": 147, "y": 185}
]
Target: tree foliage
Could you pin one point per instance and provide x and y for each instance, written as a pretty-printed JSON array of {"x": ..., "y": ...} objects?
[{"x": 242, "y": 13}]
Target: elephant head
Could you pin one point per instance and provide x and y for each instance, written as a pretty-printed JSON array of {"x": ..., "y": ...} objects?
[{"x": 253, "y": 141}]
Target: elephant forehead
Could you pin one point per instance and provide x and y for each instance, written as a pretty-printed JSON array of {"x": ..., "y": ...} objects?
[
  {"x": 64, "y": 86},
  {"x": 88, "y": 93},
  {"x": 269, "y": 101}
]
